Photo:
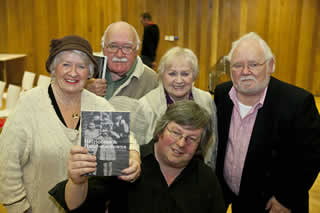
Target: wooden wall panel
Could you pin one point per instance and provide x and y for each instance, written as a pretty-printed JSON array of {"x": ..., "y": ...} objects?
[
  {"x": 3, "y": 26},
  {"x": 19, "y": 39},
  {"x": 280, "y": 38},
  {"x": 226, "y": 22},
  {"x": 204, "y": 52},
  {"x": 316, "y": 55},
  {"x": 208, "y": 27},
  {"x": 164, "y": 21},
  {"x": 273, "y": 34},
  {"x": 41, "y": 35},
  {"x": 108, "y": 12},
  {"x": 256, "y": 13},
  {"x": 213, "y": 45},
  {"x": 305, "y": 48},
  {"x": 182, "y": 16},
  {"x": 96, "y": 24},
  {"x": 244, "y": 16},
  {"x": 287, "y": 52}
]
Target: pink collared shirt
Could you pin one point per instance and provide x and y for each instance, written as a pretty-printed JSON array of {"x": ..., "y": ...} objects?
[{"x": 238, "y": 141}]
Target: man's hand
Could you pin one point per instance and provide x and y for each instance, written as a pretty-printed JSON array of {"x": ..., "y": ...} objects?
[
  {"x": 275, "y": 207},
  {"x": 97, "y": 85},
  {"x": 79, "y": 164},
  {"x": 132, "y": 173}
]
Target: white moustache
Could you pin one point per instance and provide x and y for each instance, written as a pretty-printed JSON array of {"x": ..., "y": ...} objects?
[
  {"x": 121, "y": 60},
  {"x": 250, "y": 77}
]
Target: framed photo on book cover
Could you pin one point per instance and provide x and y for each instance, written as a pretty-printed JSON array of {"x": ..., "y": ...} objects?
[{"x": 106, "y": 135}]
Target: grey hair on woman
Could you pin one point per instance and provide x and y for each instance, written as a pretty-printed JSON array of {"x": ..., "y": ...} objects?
[
  {"x": 187, "y": 113},
  {"x": 176, "y": 52},
  {"x": 59, "y": 57}
]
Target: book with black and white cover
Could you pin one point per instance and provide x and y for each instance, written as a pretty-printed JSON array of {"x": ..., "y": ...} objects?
[
  {"x": 106, "y": 135},
  {"x": 102, "y": 65}
]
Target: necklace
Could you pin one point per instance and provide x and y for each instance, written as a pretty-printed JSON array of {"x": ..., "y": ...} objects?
[
  {"x": 75, "y": 115},
  {"x": 63, "y": 106}
]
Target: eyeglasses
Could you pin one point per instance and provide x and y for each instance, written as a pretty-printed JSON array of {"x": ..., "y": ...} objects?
[
  {"x": 126, "y": 49},
  {"x": 252, "y": 66},
  {"x": 178, "y": 136}
]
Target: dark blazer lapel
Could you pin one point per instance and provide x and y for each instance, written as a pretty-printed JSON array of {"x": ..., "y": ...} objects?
[
  {"x": 263, "y": 125},
  {"x": 224, "y": 119},
  {"x": 226, "y": 115},
  {"x": 261, "y": 134}
]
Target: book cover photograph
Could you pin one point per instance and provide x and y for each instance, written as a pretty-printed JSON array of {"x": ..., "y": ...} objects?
[
  {"x": 106, "y": 135},
  {"x": 102, "y": 65}
]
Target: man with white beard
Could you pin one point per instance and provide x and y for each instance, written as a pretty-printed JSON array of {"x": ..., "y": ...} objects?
[
  {"x": 269, "y": 134},
  {"x": 126, "y": 74}
]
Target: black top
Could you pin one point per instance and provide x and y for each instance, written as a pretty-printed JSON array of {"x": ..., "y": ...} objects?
[
  {"x": 56, "y": 108},
  {"x": 196, "y": 189},
  {"x": 150, "y": 41}
]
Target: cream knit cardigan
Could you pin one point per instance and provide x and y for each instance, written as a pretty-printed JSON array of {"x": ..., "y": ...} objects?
[
  {"x": 154, "y": 105},
  {"x": 34, "y": 149}
]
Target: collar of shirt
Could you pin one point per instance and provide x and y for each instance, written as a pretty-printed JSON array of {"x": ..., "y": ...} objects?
[
  {"x": 112, "y": 86},
  {"x": 171, "y": 101},
  {"x": 235, "y": 100},
  {"x": 238, "y": 141}
]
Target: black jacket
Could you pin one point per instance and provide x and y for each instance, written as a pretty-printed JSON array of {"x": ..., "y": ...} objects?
[{"x": 284, "y": 150}]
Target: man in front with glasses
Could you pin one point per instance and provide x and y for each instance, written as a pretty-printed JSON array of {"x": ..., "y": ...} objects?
[
  {"x": 268, "y": 151},
  {"x": 126, "y": 74},
  {"x": 173, "y": 177}
]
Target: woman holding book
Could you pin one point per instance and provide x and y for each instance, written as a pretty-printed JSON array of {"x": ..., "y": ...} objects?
[{"x": 36, "y": 139}]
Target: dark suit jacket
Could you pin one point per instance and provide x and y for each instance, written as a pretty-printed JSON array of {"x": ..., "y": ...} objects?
[{"x": 283, "y": 157}]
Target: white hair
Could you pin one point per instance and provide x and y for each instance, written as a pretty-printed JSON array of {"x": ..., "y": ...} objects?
[
  {"x": 254, "y": 36},
  {"x": 131, "y": 27},
  {"x": 172, "y": 54},
  {"x": 59, "y": 57}
]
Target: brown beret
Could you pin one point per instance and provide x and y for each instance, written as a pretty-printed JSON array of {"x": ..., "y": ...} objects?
[{"x": 71, "y": 42}]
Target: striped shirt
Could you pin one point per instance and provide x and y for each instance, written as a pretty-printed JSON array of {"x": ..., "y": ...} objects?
[{"x": 238, "y": 140}]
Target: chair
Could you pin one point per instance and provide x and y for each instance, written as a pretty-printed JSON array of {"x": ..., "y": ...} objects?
[
  {"x": 2, "y": 86},
  {"x": 43, "y": 81},
  {"x": 219, "y": 73},
  {"x": 27, "y": 80},
  {"x": 11, "y": 100}
]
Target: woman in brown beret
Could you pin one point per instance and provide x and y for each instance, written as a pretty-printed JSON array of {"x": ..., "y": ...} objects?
[{"x": 38, "y": 134}]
